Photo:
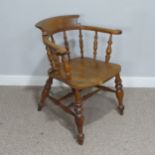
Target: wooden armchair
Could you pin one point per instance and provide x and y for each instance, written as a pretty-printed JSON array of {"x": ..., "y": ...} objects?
[{"x": 81, "y": 72}]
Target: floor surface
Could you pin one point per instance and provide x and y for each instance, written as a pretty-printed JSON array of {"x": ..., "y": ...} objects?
[{"x": 25, "y": 131}]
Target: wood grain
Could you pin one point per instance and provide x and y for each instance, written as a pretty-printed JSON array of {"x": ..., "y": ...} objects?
[{"x": 78, "y": 73}]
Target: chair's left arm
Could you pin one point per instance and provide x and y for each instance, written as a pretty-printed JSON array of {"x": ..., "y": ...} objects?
[
  {"x": 111, "y": 32},
  {"x": 101, "y": 29}
]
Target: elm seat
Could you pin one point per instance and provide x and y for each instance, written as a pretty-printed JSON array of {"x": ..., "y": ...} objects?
[
  {"x": 79, "y": 72},
  {"x": 88, "y": 73}
]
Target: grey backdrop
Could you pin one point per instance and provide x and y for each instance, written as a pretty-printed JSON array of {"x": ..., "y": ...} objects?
[{"x": 22, "y": 52}]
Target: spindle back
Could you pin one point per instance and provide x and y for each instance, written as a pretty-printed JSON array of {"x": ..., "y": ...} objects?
[{"x": 51, "y": 26}]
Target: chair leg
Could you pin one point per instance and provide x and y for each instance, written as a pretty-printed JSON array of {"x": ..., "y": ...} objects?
[
  {"x": 79, "y": 118},
  {"x": 119, "y": 93},
  {"x": 45, "y": 93}
]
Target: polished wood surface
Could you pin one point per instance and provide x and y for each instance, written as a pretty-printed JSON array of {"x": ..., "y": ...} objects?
[
  {"x": 87, "y": 73},
  {"x": 81, "y": 72}
]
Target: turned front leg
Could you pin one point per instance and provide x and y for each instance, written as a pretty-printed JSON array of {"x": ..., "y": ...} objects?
[
  {"x": 45, "y": 92},
  {"x": 119, "y": 93},
  {"x": 79, "y": 118}
]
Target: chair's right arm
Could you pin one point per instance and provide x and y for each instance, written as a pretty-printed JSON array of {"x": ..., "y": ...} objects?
[
  {"x": 101, "y": 29},
  {"x": 55, "y": 51}
]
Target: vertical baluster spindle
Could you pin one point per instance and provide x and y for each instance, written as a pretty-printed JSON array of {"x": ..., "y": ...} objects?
[
  {"x": 109, "y": 49},
  {"x": 57, "y": 57},
  {"x": 66, "y": 43},
  {"x": 52, "y": 39},
  {"x": 81, "y": 43},
  {"x": 95, "y": 44}
]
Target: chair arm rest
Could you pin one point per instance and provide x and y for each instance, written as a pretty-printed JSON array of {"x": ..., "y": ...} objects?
[
  {"x": 101, "y": 29},
  {"x": 58, "y": 49},
  {"x": 61, "y": 50}
]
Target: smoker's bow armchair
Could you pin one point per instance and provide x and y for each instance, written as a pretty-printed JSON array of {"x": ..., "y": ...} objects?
[{"x": 81, "y": 72}]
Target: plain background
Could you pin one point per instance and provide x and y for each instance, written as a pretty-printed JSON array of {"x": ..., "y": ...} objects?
[{"x": 22, "y": 52}]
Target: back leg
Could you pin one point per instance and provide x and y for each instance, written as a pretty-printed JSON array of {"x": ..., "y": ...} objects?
[
  {"x": 119, "y": 93},
  {"x": 45, "y": 93}
]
